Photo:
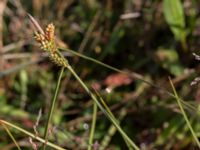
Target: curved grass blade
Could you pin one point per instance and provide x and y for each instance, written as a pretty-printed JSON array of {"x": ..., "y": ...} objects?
[
  {"x": 184, "y": 114},
  {"x": 11, "y": 136},
  {"x": 133, "y": 75},
  {"x": 111, "y": 114},
  {"x": 174, "y": 16},
  {"x": 31, "y": 135},
  {"x": 111, "y": 131},
  {"x": 110, "y": 117}
]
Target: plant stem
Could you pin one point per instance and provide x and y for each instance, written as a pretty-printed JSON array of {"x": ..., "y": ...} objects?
[
  {"x": 53, "y": 102},
  {"x": 94, "y": 118},
  {"x": 91, "y": 59},
  {"x": 133, "y": 75},
  {"x": 11, "y": 136},
  {"x": 31, "y": 135},
  {"x": 184, "y": 114},
  {"x": 102, "y": 109},
  {"x": 111, "y": 131},
  {"x": 108, "y": 110}
]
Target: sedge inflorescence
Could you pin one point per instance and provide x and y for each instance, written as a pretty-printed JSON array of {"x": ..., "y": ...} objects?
[{"x": 47, "y": 43}]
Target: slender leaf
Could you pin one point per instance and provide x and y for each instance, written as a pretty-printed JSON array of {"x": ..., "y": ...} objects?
[{"x": 174, "y": 16}]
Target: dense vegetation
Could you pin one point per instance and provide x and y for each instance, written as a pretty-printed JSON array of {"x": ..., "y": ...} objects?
[{"x": 148, "y": 41}]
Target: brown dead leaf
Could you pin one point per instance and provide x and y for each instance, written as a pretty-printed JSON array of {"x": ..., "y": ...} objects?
[{"x": 117, "y": 80}]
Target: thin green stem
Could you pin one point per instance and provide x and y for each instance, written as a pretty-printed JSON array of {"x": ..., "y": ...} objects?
[
  {"x": 53, "y": 102},
  {"x": 113, "y": 120},
  {"x": 111, "y": 114},
  {"x": 134, "y": 75},
  {"x": 91, "y": 59},
  {"x": 111, "y": 131},
  {"x": 94, "y": 118},
  {"x": 11, "y": 136},
  {"x": 184, "y": 114},
  {"x": 31, "y": 135}
]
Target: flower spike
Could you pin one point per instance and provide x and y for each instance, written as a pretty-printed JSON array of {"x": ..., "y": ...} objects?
[{"x": 47, "y": 43}]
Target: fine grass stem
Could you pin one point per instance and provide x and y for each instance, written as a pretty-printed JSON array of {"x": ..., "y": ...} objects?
[
  {"x": 11, "y": 136},
  {"x": 52, "y": 107},
  {"x": 31, "y": 135},
  {"x": 113, "y": 120},
  {"x": 184, "y": 114},
  {"x": 94, "y": 118},
  {"x": 133, "y": 75},
  {"x": 111, "y": 114},
  {"x": 111, "y": 131}
]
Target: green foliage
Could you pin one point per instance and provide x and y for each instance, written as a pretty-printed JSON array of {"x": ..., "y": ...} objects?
[
  {"x": 174, "y": 16},
  {"x": 133, "y": 91},
  {"x": 185, "y": 115},
  {"x": 169, "y": 60}
]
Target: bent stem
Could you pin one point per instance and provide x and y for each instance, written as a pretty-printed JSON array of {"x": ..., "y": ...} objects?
[
  {"x": 111, "y": 131},
  {"x": 11, "y": 136},
  {"x": 184, "y": 114},
  {"x": 108, "y": 110},
  {"x": 31, "y": 135},
  {"x": 111, "y": 117},
  {"x": 53, "y": 102},
  {"x": 94, "y": 118},
  {"x": 134, "y": 75}
]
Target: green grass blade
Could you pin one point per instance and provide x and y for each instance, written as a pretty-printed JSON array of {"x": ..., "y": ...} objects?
[
  {"x": 134, "y": 75},
  {"x": 115, "y": 120},
  {"x": 174, "y": 16},
  {"x": 31, "y": 135},
  {"x": 184, "y": 114},
  {"x": 94, "y": 118},
  {"x": 52, "y": 107},
  {"x": 11, "y": 136},
  {"x": 102, "y": 108},
  {"x": 91, "y": 59},
  {"x": 111, "y": 131}
]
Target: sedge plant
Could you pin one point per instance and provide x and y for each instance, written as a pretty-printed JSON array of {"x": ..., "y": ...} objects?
[
  {"x": 46, "y": 39},
  {"x": 47, "y": 43}
]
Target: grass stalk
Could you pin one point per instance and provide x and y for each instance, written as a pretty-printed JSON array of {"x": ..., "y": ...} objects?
[
  {"x": 133, "y": 75},
  {"x": 53, "y": 102},
  {"x": 110, "y": 117},
  {"x": 94, "y": 118},
  {"x": 118, "y": 122},
  {"x": 111, "y": 131},
  {"x": 184, "y": 114},
  {"x": 91, "y": 59},
  {"x": 11, "y": 136},
  {"x": 31, "y": 135}
]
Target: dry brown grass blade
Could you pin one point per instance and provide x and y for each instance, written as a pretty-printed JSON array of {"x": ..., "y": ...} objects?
[
  {"x": 2, "y": 8},
  {"x": 35, "y": 23}
]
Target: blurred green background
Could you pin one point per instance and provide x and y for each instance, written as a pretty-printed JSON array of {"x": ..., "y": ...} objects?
[{"x": 154, "y": 38}]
